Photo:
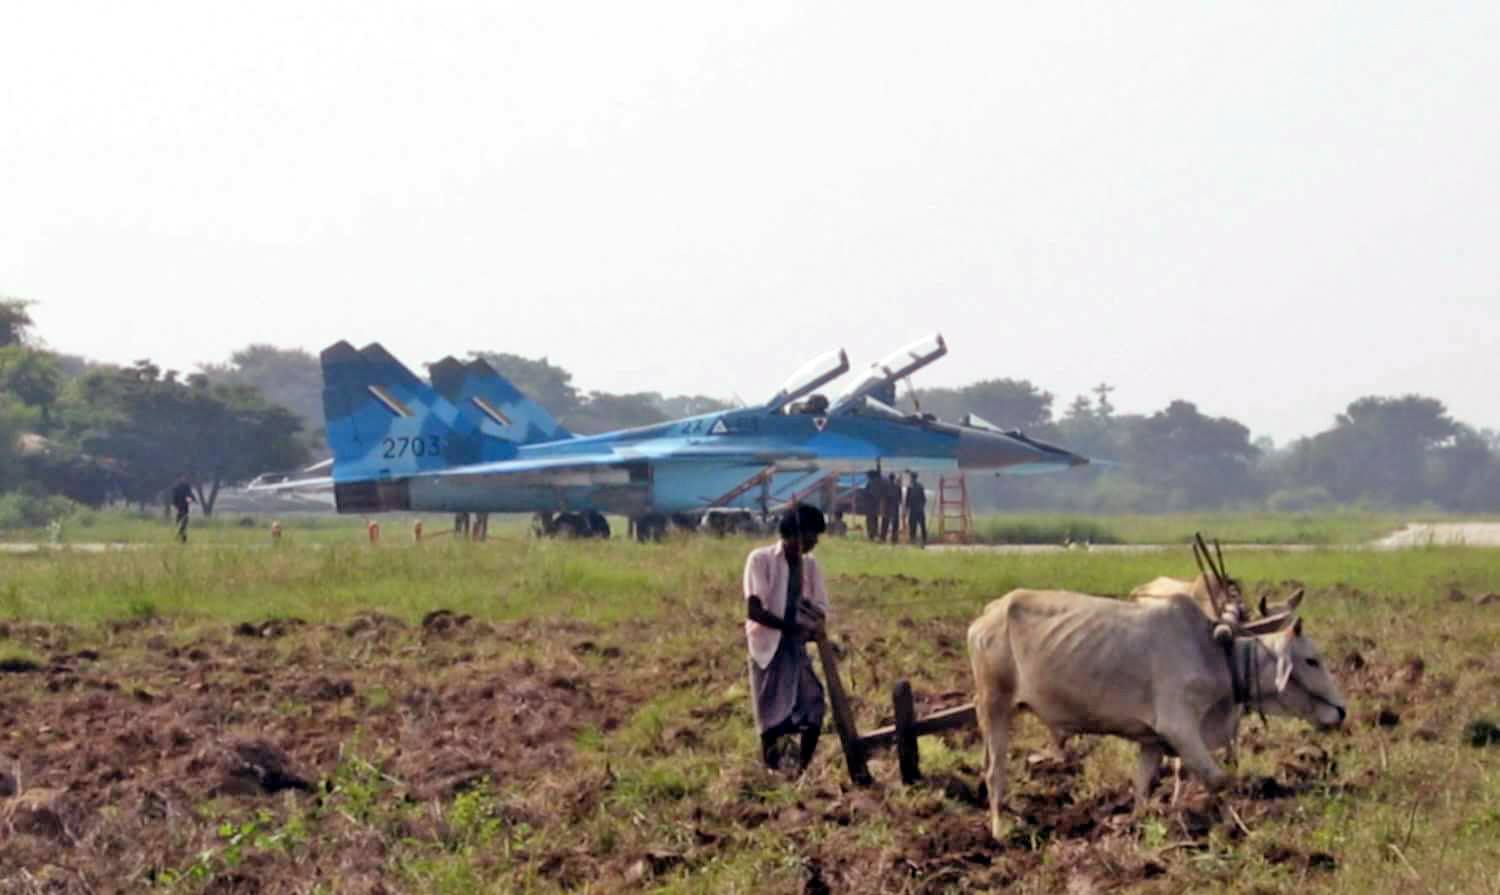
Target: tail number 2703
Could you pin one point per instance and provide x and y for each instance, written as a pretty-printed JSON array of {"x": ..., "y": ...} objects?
[{"x": 418, "y": 446}]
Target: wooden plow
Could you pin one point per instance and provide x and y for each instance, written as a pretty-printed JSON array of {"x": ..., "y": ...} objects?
[{"x": 903, "y": 734}]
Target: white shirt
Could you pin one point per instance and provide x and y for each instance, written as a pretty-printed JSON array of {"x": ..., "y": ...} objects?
[{"x": 766, "y": 577}]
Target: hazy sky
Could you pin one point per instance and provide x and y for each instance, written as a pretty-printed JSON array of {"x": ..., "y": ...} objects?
[{"x": 1270, "y": 209}]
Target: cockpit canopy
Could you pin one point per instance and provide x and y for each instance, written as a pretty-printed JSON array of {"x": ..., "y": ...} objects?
[
  {"x": 812, "y": 376},
  {"x": 884, "y": 374}
]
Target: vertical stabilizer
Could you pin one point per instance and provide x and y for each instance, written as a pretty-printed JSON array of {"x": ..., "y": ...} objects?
[
  {"x": 501, "y": 409},
  {"x": 384, "y": 423}
]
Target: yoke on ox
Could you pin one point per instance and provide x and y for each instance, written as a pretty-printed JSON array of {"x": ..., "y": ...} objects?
[{"x": 1152, "y": 672}]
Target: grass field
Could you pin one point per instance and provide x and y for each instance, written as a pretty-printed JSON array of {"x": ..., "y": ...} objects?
[
  {"x": 1318, "y": 529},
  {"x": 577, "y": 720}
]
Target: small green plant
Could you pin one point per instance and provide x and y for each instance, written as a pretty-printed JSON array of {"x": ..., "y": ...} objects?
[
  {"x": 474, "y": 818},
  {"x": 142, "y": 609}
]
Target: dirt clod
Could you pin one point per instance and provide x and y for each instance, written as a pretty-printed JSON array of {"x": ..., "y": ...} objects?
[
  {"x": 373, "y": 624},
  {"x": 1354, "y": 661},
  {"x": 1276, "y": 853},
  {"x": 1486, "y": 599},
  {"x": 270, "y": 629},
  {"x": 440, "y": 621},
  {"x": 17, "y": 665},
  {"x": 252, "y": 767},
  {"x": 329, "y": 690},
  {"x": 1482, "y": 732}
]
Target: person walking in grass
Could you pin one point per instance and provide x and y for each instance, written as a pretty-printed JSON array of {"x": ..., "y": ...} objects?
[
  {"x": 182, "y": 497},
  {"x": 786, "y": 606}
]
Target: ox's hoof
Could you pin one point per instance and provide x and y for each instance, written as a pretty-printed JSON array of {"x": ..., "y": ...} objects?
[{"x": 1002, "y": 827}]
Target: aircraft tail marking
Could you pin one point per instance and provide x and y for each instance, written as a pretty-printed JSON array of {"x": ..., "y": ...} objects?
[
  {"x": 385, "y": 423},
  {"x": 502, "y": 410}
]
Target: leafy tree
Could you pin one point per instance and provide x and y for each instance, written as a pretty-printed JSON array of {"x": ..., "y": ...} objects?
[
  {"x": 1195, "y": 460},
  {"x": 550, "y": 386},
  {"x": 15, "y": 322},
  {"x": 31, "y": 376},
  {"x": 1377, "y": 450},
  {"x": 1081, "y": 409},
  {"x": 289, "y": 377},
  {"x": 150, "y": 427},
  {"x": 679, "y": 406},
  {"x": 14, "y": 421},
  {"x": 604, "y": 412},
  {"x": 1008, "y": 403}
]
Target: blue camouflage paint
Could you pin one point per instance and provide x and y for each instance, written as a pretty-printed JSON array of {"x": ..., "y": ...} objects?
[
  {"x": 470, "y": 462},
  {"x": 475, "y": 386}
]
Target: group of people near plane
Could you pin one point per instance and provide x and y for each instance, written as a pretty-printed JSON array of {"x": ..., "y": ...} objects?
[{"x": 887, "y": 504}]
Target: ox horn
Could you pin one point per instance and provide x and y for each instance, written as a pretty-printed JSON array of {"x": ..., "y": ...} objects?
[
  {"x": 1290, "y": 605},
  {"x": 1202, "y": 557},
  {"x": 1270, "y": 625},
  {"x": 1204, "y": 571}
]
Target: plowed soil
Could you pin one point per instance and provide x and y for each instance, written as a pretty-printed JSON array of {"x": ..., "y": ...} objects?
[{"x": 283, "y": 756}]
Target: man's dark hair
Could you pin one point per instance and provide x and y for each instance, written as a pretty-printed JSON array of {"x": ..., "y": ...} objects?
[{"x": 802, "y": 520}]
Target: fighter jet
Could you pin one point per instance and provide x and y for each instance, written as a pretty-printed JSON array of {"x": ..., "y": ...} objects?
[{"x": 399, "y": 445}]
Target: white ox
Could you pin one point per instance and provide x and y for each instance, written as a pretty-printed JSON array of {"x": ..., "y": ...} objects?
[{"x": 1149, "y": 672}]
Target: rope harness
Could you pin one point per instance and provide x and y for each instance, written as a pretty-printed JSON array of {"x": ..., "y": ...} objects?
[{"x": 1243, "y": 657}]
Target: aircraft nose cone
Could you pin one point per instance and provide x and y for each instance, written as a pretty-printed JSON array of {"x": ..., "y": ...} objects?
[{"x": 992, "y": 450}]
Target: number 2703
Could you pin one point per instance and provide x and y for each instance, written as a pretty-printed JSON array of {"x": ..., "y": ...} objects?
[{"x": 420, "y": 446}]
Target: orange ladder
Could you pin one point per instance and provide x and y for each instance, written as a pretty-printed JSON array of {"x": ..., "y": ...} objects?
[
  {"x": 760, "y": 478},
  {"x": 955, "y": 523}
]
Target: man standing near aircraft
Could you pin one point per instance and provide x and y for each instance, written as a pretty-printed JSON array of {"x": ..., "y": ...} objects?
[
  {"x": 890, "y": 510},
  {"x": 872, "y": 500},
  {"x": 786, "y": 606},
  {"x": 916, "y": 510}
]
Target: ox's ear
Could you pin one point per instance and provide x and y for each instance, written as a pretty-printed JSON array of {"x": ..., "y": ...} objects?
[
  {"x": 1297, "y": 628},
  {"x": 1263, "y": 607}
]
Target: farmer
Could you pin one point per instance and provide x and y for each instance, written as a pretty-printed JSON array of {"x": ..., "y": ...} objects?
[
  {"x": 787, "y": 604},
  {"x": 182, "y": 496}
]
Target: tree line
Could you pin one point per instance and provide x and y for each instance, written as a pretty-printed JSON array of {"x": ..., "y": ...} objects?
[
  {"x": 91, "y": 433},
  {"x": 1381, "y": 452}
]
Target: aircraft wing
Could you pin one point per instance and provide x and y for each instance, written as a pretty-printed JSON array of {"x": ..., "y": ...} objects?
[
  {"x": 619, "y": 455},
  {"x": 321, "y": 483}
]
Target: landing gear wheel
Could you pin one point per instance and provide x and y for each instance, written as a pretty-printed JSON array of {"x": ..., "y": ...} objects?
[
  {"x": 571, "y": 525},
  {"x": 650, "y": 527}
]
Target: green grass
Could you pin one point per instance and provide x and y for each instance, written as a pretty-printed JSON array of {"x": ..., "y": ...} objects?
[
  {"x": 251, "y": 529},
  {"x": 1326, "y": 528},
  {"x": 683, "y": 807}
]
